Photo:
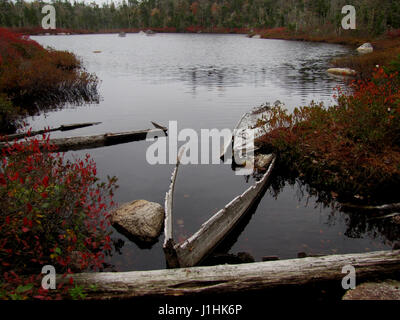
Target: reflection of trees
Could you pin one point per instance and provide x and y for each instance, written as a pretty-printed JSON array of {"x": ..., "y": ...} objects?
[
  {"x": 220, "y": 77},
  {"x": 69, "y": 99},
  {"x": 359, "y": 223}
]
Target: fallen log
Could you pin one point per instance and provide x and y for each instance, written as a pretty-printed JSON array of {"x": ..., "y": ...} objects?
[
  {"x": 224, "y": 279},
  {"x": 100, "y": 140},
  {"x": 63, "y": 127}
]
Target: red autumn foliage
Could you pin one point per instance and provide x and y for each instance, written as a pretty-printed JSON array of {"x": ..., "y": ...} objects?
[
  {"x": 352, "y": 147},
  {"x": 52, "y": 212},
  {"x": 31, "y": 75}
]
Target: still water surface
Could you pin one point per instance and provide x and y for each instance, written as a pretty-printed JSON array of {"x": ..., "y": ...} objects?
[{"x": 203, "y": 82}]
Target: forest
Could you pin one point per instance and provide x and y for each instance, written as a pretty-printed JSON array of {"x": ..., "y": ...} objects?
[{"x": 321, "y": 16}]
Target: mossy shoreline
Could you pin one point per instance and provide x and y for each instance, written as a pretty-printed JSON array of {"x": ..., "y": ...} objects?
[{"x": 33, "y": 78}]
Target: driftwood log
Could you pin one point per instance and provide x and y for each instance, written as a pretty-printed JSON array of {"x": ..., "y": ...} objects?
[
  {"x": 224, "y": 279},
  {"x": 101, "y": 140}
]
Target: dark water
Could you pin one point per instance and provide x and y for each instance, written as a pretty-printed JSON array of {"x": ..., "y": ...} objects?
[{"x": 204, "y": 82}]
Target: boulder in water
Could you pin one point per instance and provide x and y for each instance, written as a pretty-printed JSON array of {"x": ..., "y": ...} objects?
[
  {"x": 140, "y": 219},
  {"x": 365, "y": 48}
]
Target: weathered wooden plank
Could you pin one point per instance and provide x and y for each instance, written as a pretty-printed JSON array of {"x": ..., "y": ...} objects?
[
  {"x": 212, "y": 232},
  {"x": 168, "y": 246},
  {"x": 224, "y": 279}
]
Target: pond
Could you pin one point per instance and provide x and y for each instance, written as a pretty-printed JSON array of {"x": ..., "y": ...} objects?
[{"x": 205, "y": 81}]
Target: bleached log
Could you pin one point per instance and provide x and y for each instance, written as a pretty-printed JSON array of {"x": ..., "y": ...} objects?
[
  {"x": 168, "y": 246},
  {"x": 225, "y": 279}
]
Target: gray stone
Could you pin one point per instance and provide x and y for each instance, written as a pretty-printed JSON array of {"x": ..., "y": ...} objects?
[{"x": 140, "y": 219}]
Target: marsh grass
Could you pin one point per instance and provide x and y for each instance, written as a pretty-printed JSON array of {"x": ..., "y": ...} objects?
[
  {"x": 352, "y": 148},
  {"x": 32, "y": 76}
]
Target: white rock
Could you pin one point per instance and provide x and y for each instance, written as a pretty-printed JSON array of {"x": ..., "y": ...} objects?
[
  {"x": 342, "y": 71},
  {"x": 365, "y": 48},
  {"x": 140, "y": 218}
]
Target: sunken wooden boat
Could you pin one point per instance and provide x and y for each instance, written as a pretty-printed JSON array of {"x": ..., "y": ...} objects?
[
  {"x": 251, "y": 123},
  {"x": 102, "y": 140},
  {"x": 195, "y": 249}
]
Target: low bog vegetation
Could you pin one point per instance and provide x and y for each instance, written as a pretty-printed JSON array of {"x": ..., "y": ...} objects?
[
  {"x": 351, "y": 149},
  {"x": 32, "y": 76},
  {"x": 52, "y": 212}
]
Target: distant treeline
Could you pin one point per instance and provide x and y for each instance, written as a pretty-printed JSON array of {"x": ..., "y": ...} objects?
[{"x": 373, "y": 16}]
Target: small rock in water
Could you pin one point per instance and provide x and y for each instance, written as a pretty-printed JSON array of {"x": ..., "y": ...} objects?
[
  {"x": 365, "y": 48},
  {"x": 140, "y": 219}
]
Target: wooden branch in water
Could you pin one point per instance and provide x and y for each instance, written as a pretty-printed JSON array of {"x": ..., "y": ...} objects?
[
  {"x": 63, "y": 127},
  {"x": 225, "y": 279},
  {"x": 169, "y": 243},
  {"x": 101, "y": 140},
  {"x": 384, "y": 207}
]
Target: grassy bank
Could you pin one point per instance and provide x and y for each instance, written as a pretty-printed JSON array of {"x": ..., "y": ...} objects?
[
  {"x": 386, "y": 46},
  {"x": 33, "y": 77}
]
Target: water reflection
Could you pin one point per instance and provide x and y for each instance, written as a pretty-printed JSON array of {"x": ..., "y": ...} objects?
[
  {"x": 201, "y": 81},
  {"x": 360, "y": 224}
]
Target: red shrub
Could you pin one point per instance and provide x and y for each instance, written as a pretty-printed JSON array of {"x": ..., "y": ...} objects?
[{"x": 52, "y": 212}]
